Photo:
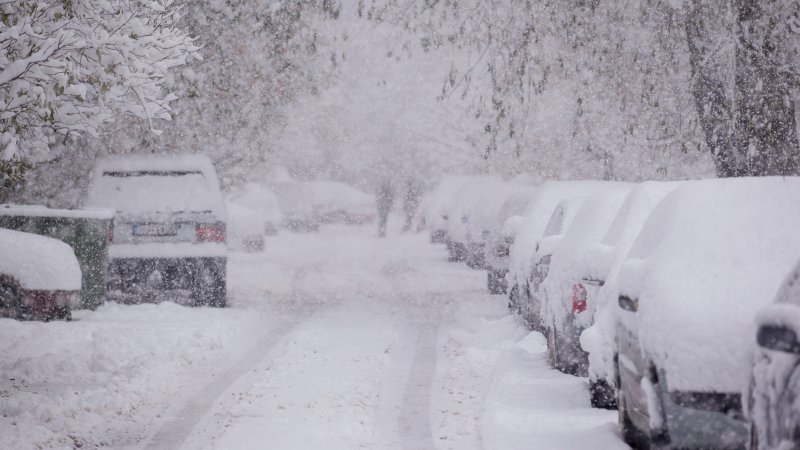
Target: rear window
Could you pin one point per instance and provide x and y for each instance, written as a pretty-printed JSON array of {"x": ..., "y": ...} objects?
[{"x": 142, "y": 191}]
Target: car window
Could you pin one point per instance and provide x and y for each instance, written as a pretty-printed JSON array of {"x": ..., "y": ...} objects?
[{"x": 153, "y": 190}]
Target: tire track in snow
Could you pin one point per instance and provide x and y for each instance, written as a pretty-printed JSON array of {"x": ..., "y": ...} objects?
[
  {"x": 414, "y": 421},
  {"x": 179, "y": 425}
]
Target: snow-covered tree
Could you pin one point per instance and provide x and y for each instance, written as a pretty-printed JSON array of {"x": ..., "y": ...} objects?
[{"x": 71, "y": 65}]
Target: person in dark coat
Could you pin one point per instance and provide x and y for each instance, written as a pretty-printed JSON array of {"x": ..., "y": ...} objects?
[{"x": 384, "y": 200}]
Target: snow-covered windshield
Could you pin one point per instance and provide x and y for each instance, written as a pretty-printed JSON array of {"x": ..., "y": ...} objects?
[{"x": 147, "y": 191}]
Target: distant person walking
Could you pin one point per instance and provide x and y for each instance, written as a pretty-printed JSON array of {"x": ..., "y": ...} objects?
[
  {"x": 384, "y": 200},
  {"x": 411, "y": 202}
]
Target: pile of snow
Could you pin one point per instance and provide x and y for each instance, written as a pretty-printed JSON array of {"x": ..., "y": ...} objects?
[
  {"x": 38, "y": 262},
  {"x": 602, "y": 261},
  {"x": 143, "y": 184},
  {"x": 709, "y": 256},
  {"x": 567, "y": 264}
]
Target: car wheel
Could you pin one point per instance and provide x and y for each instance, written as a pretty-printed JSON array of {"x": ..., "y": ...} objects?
[
  {"x": 602, "y": 394},
  {"x": 494, "y": 282},
  {"x": 627, "y": 430},
  {"x": 513, "y": 300},
  {"x": 552, "y": 351}
]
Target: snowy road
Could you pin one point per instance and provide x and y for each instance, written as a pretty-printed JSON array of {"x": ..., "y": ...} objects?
[{"x": 336, "y": 340}]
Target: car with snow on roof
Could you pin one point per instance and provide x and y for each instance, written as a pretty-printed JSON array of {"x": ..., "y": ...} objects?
[
  {"x": 500, "y": 237},
  {"x": 169, "y": 235},
  {"x": 253, "y": 213},
  {"x": 708, "y": 258},
  {"x": 600, "y": 266},
  {"x": 568, "y": 289},
  {"x": 40, "y": 278}
]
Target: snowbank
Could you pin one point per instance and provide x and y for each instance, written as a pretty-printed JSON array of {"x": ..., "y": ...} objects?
[
  {"x": 709, "y": 256},
  {"x": 38, "y": 262}
]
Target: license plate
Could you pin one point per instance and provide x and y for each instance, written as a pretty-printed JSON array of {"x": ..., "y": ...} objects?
[{"x": 154, "y": 229}]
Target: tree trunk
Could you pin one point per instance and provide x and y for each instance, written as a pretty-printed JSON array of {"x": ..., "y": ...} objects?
[
  {"x": 766, "y": 134},
  {"x": 744, "y": 102}
]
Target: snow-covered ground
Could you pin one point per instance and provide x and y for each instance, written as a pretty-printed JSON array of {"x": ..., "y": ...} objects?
[{"x": 336, "y": 340}]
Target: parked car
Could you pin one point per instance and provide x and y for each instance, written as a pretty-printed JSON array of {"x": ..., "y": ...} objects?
[
  {"x": 773, "y": 410},
  {"x": 501, "y": 236},
  {"x": 483, "y": 218},
  {"x": 336, "y": 202},
  {"x": 253, "y": 213},
  {"x": 601, "y": 262},
  {"x": 522, "y": 254},
  {"x": 473, "y": 195},
  {"x": 169, "y": 237},
  {"x": 40, "y": 278},
  {"x": 296, "y": 201},
  {"x": 438, "y": 206},
  {"x": 559, "y": 222},
  {"x": 566, "y": 288},
  {"x": 711, "y": 254}
]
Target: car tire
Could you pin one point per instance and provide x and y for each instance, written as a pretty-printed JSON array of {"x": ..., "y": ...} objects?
[
  {"x": 602, "y": 395},
  {"x": 513, "y": 300},
  {"x": 494, "y": 283}
]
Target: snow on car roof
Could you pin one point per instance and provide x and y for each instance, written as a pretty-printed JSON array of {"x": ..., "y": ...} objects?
[
  {"x": 475, "y": 204},
  {"x": 708, "y": 257},
  {"x": 442, "y": 197},
  {"x": 38, "y": 262},
  {"x": 538, "y": 213},
  {"x": 156, "y": 183}
]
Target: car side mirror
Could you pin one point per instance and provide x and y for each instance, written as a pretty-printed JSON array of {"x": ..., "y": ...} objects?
[
  {"x": 628, "y": 304},
  {"x": 780, "y": 338}
]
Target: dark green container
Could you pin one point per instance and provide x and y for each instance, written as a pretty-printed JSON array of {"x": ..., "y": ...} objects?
[{"x": 86, "y": 231}]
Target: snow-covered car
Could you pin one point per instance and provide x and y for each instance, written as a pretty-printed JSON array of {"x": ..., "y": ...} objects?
[
  {"x": 296, "y": 201},
  {"x": 484, "y": 217},
  {"x": 560, "y": 221},
  {"x": 601, "y": 262},
  {"x": 473, "y": 196},
  {"x": 40, "y": 278},
  {"x": 253, "y": 213},
  {"x": 708, "y": 258},
  {"x": 336, "y": 202},
  {"x": 773, "y": 409},
  {"x": 438, "y": 206},
  {"x": 567, "y": 289},
  {"x": 530, "y": 228},
  {"x": 501, "y": 236},
  {"x": 169, "y": 236}
]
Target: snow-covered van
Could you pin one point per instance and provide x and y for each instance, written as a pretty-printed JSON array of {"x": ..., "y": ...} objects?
[
  {"x": 39, "y": 277},
  {"x": 709, "y": 257},
  {"x": 169, "y": 234}
]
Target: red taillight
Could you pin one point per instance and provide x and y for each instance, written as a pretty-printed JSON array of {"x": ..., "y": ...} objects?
[
  {"x": 578, "y": 298},
  {"x": 210, "y": 232}
]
